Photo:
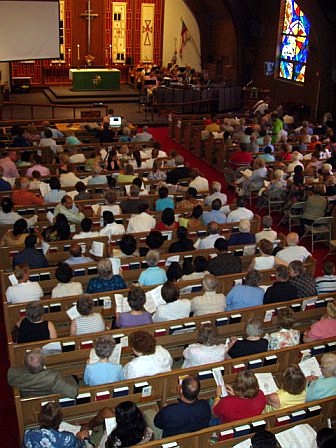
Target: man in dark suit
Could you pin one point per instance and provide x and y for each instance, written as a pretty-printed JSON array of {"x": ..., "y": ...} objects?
[{"x": 178, "y": 173}]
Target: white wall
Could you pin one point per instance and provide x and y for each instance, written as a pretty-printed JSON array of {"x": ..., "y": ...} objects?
[{"x": 174, "y": 11}]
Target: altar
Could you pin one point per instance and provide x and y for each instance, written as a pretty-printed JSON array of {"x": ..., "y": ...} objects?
[{"x": 95, "y": 79}]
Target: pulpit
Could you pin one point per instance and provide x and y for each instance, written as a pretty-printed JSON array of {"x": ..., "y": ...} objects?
[{"x": 95, "y": 79}]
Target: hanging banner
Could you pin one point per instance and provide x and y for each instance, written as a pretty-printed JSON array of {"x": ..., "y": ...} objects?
[{"x": 147, "y": 32}]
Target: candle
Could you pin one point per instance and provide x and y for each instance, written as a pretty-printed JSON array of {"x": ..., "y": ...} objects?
[
  {"x": 69, "y": 56},
  {"x": 78, "y": 51},
  {"x": 111, "y": 52}
]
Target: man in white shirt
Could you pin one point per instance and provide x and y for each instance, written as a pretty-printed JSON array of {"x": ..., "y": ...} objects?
[
  {"x": 69, "y": 178},
  {"x": 110, "y": 226},
  {"x": 86, "y": 232},
  {"x": 216, "y": 188},
  {"x": 48, "y": 141},
  {"x": 7, "y": 216},
  {"x": 292, "y": 252},
  {"x": 24, "y": 290},
  {"x": 209, "y": 241},
  {"x": 198, "y": 182},
  {"x": 143, "y": 136},
  {"x": 143, "y": 222},
  {"x": 73, "y": 214},
  {"x": 267, "y": 233},
  {"x": 240, "y": 213}
]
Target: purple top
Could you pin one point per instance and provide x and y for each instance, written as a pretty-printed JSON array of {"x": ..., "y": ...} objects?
[{"x": 133, "y": 320}]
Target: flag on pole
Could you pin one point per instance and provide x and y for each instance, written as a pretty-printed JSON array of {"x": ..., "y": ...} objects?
[{"x": 184, "y": 36}]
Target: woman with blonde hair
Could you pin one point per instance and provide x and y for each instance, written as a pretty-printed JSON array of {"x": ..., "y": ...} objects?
[
  {"x": 323, "y": 328},
  {"x": 292, "y": 391}
]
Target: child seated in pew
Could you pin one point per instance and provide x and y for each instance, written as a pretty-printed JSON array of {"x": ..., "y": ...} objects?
[{"x": 99, "y": 368}]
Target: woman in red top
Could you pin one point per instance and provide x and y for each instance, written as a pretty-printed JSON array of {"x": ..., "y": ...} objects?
[
  {"x": 285, "y": 154},
  {"x": 245, "y": 399},
  {"x": 167, "y": 220}
]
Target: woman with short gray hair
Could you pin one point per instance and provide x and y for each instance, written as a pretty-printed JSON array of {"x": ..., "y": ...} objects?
[
  {"x": 153, "y": 275},
  {"x": 205, "y": 350},
  {"x": 253, "y": 343},
  {"x": 103, "y": 371},
  {"x": 105, "y": 281},
  {"x": 32, "y": 327}
]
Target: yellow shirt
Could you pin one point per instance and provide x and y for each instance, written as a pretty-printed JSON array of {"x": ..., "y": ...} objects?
[{"x": 287, "y": 400}]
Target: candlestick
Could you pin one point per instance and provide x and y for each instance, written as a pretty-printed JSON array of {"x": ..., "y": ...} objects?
[
  {"x": 69, "y": 56},
  {"x": 78, "y": 51}
]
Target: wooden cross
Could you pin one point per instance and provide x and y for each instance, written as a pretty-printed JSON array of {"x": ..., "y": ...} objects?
[{"x": 89, "y": 15}]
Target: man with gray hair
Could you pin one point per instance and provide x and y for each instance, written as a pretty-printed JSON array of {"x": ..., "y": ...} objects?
[
  {"x": 244, "y": 236},
  {"x": 210, "y": 301},
  {"x": 216, "y": 188},
  {"x": 180, "y": 172},
  {"x": 35, "y": 379},
  {"x": 324, "y": 386},
  {"x": 143, "y": 136},
  {"x": 266, "y": 233}
]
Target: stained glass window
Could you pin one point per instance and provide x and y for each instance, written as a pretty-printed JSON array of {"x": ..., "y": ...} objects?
[{"x": 294, "y": 40}]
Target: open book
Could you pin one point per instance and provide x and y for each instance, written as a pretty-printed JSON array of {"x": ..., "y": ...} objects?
[
  {"x": 217, "y": 374},
  {"x": 266, "y": 383},
  {"x": 153, "y": 300},
  {"x": 97, "y": 248},
  {"x": 300, "y": 436},
  {"x": 310, "y": 367}
]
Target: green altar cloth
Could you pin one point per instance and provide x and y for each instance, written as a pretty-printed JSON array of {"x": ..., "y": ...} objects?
[{"x": 95, "y": 79}]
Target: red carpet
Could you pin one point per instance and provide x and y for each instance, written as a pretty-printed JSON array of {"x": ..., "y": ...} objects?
[{"x": 9, "y": 431}]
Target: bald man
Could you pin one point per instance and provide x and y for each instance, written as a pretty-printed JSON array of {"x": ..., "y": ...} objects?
[
  {"x": 76, "y": 255},
  {"x": 324, "y": 386},
  {"x": 189, "y": 414},
  {"x": 292, "y": 252},
  {"x": 24, "y": 196}
]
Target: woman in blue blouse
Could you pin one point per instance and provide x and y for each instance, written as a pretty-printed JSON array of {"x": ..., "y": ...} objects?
[
  {"x": 105, "y": 281},
  {"x": 49, "y": 435}
]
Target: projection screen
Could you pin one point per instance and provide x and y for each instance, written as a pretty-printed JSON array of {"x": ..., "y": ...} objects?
[{"x": 29, "y": 30}]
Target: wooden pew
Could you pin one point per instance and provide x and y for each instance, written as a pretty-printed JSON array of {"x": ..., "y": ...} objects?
[
  {"x": 165, "y": 390},
  {"x": 57, "y": 253},
  {"x": 173, "y": 335}
]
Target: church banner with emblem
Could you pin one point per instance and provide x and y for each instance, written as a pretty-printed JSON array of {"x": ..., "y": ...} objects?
[
  {"x": 147, "y": 32},
  {"x": 118, "y": 45}
]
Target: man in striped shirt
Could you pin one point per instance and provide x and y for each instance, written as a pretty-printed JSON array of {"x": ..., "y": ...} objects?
[{"x": 327, "y": 283}]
